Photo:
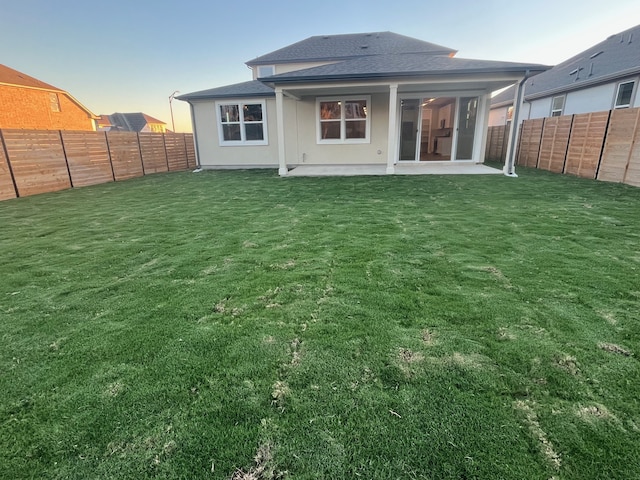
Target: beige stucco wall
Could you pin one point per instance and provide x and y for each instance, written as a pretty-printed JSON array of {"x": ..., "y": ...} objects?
[
  {"x": 212, "y": 155},
  {"x": 310, "y": 152}
]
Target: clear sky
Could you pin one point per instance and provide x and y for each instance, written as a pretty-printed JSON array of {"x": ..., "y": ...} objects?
[{"x": 130, "y": 55}]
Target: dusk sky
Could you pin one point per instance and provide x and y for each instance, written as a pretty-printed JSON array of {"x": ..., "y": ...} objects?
[{"x": 129, "y": 56}]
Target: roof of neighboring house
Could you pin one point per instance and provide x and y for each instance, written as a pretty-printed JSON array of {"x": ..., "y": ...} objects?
[
  {"x": 504, "y": 98},
  {"x": 395, "y": 65},
  {"x": 103, "y": 121},
  {"x": 9, "y": 76},
  {"x": 614, "y": 58},
  {"x": 340, "y": 47},
  {"x": 14, "y": 78},
  {"x": 133, "y": 122},
  {"x": 245, "y": 89}
]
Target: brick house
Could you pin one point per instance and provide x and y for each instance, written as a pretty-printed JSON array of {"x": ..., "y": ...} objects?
[{"x": 29, "y": 103}]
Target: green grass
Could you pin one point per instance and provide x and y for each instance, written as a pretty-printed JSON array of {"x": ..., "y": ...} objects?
[{"x": 235, "y": 324}]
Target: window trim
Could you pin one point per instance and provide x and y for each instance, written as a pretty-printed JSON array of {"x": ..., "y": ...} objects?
[
  {"x": 343, "y": 140},
  {"x": 615, "y": 98},
  {"x": 243, "y": 142},
  {"x": 561, "y": 109}
]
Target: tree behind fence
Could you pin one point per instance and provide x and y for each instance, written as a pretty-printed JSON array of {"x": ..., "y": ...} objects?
[{"x": 39, "y": 161}]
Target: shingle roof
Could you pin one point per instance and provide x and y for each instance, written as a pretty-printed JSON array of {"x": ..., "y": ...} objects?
[
  {"x": 504, "y": 98},
  {"x": 337, "y": 47},
  {"x": 252, "y": 88},
  {"x": 615, "y": 57},
  {"x": 133, "y": 122},
  {"x": 9, "y": 76},
  {"x": 394, "y": 65}
]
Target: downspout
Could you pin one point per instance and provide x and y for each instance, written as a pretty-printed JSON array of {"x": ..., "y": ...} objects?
[
  {"x": 509, "y": 163},
  {"x": 195, "y": 137}
]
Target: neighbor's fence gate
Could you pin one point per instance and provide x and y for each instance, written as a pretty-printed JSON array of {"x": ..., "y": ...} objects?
[
  {"x": 598, "y": 145},
  {"x": 39, "y": 161}
]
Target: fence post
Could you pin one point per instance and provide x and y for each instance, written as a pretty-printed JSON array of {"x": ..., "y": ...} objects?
[
  {"x": 604, "y": 142},
  {"x": 6, "y": 156},
  {"x": 66, "y": 160}
]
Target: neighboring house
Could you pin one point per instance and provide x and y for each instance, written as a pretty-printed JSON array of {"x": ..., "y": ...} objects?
[
  {"x": 131, "y": 122},
  {"x": 603, "y": 77},
  {"x": 370, "y": 98},
  {"x": 29, "y": 103}
]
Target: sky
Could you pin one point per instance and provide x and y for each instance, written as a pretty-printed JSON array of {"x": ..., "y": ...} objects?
[{"x": 131, "y": 55}]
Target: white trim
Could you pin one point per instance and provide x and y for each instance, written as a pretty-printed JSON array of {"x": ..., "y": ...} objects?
[
  {"x": 393, "y": 125},
  {"x": 343, "y": 121},
  {"x": 615, "y": 98},
  {"x": 561, "y": 110},
  {"x": 282, "y": 161},
  {"x": 243, "y": 142}
]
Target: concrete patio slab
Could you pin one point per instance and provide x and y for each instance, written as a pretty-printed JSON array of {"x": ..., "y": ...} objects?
[{"x": 400, "y": 169}]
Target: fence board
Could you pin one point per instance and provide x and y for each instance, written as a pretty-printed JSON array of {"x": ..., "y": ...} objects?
[
  {"x": 531, "y": 133},
  {"x": 555, "y": 139},
  {"x": 87, "y": 157},
  {"x": 125, "y": 155},
  {"x": 585, "y": 145},
  {"x": 618, "y": 147},
  {"x": 191, "y": 150},
  {"x": 7, "y": 189},
  {"x": 154, "y": 157},
  {"x": 497, "y": 142},
  {"x": 37, "y": 160},
  {"x": 176, "y": 152}
]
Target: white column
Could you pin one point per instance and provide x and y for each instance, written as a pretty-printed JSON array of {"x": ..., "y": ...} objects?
[
  {"x": 282, "y": 161},
  {"x": 393, "y": 124},
  {"x": 510, "y": 159}
]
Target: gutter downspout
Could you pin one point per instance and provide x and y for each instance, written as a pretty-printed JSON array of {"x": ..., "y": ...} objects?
[
  {"x": 195, "y": 137},
  {"x": 509, "y": 162}
]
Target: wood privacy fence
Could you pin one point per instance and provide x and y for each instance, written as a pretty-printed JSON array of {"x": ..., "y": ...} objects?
[
  {"x": 598, "y": 145},
  {"x": 39, "y": 161}
]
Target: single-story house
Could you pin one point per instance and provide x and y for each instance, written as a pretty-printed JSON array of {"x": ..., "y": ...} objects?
[
  {"x": 29, "y": 103},
  {"x": 603, "y": 77},
  {"x": 369, "y": 98}
]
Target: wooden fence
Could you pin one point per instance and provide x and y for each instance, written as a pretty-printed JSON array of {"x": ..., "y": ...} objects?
[
  {"x": 39, "y": 161},
  {"x": 598, "y": 145}
]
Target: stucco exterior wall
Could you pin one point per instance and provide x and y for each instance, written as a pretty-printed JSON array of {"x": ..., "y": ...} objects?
[
  {"x": 310, "y": 152},
  {"x": 30, "y": 109},
  {"x": 212, "y": 155}
]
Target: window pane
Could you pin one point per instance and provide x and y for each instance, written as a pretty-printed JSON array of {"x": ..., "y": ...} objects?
[
  {"x": 231, "y": 132},
  {"x": 624, "y": 94},
  {"x": 356, "y": 129},
  {"x": 355, "y": 109},
  {"x": 558, "y": 103},
  {"x": 329, "y": 110},
  {"x": 252, "y": 113},
  {"x": 229, "y": 113},
  {"x": 330, "y": 130},
  {"x": 253, "y": 131}
]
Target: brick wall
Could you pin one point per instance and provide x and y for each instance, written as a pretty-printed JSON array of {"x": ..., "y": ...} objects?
[{"x": 27, "y": 108}]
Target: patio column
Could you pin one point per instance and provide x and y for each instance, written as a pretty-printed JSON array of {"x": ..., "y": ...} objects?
[
  {"x": 510, "y": 158},
  {"x": 393, "y": 121},
  {"x": 282, "y": 161}
]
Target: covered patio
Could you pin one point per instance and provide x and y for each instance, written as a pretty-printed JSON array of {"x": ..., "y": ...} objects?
[{"x": 448, "y": 168}]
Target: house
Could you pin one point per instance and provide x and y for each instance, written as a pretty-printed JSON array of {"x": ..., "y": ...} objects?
[
  {"x": 131, "y": 122},
  {"x": 603, "y": 77},
  {"x": 29, "y": 103},
  {"x": 370, "y": 98}
]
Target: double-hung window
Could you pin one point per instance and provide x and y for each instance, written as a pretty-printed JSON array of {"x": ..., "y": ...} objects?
[
  {"x": 624, "y": 94},
  {"x": 343, "y": 119},
  {"x": 557, "y": 106},
  {"x": 242, "y": 123}
]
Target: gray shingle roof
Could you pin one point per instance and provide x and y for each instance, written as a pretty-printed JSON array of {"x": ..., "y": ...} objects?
[
  {"x": 132, "y": 122},
  {"x": 504, "y": 98},
  {"x": 393, "y": 65},
  {"x": 615, "y": 57},
  {"x": 252, "y": 88},
  {"x": 337, "y": 47}
]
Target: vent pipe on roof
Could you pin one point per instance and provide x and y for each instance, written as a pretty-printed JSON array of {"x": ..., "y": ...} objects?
[
  {"x": 630, "y": 38},
  {"x": 591, "y": 69}
]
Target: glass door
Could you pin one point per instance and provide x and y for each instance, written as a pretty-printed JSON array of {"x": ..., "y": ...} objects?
[
  {"x": 409, "y": 118},
  {"x": 467, "y": 116}
]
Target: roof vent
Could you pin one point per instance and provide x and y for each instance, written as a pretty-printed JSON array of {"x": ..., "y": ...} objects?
[
  {"x": 326, "y": 37},
  {"x": 591, "y": 70},
  {"x": 364, "y": 46},
  {"x": 630, "y": 38},
  {"x": 573, "y": 72},
  {"x": 596, "y": 54}
]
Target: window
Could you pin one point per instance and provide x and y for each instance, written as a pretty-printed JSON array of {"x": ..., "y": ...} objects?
[
  {"x": 623, "y": 96},
  {"x": 54, "y": 101},
  {"x": 557, "y": 106},
  {"x": 266, "y": 71},
  {"x": 343, "y": 119},
  {"x": 242, "y": 123}
]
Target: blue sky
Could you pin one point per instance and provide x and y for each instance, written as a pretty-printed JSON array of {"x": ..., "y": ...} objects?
[{"x": 129, "y": 56}]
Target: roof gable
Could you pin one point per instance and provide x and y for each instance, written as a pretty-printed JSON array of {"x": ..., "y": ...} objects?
[
  {"x": 252, "y": 88},
  {"x": 9, "y": 76},
  {"x": 616, "y": 57},
  {"x": 339, "y": 47}
]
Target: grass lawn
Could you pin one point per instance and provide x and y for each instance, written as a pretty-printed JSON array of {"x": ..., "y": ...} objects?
[{"x": 237, "y": 325}]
